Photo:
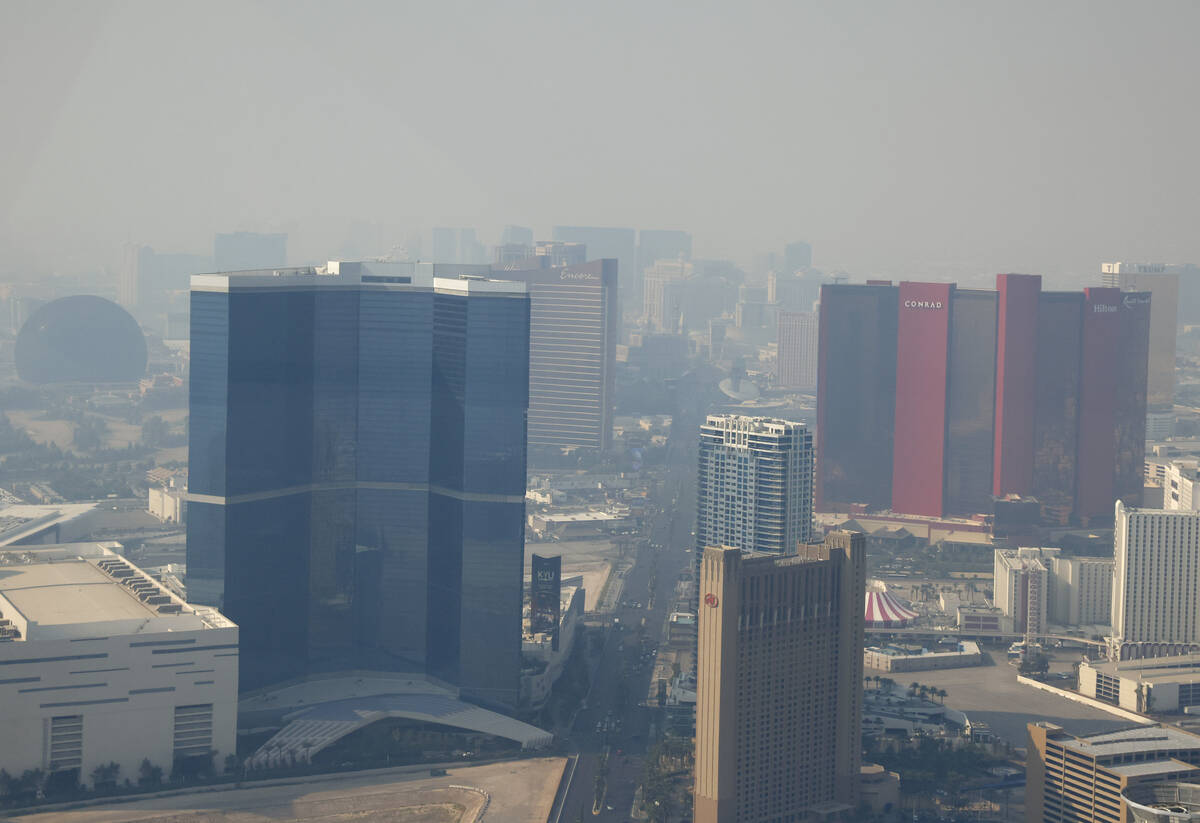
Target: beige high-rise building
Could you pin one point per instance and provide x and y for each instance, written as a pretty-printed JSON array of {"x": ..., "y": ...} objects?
[
  {"x": 1071, "y": 779},
  {"x": 779, "y": 681},
  {"x": 796, "y": 349}
]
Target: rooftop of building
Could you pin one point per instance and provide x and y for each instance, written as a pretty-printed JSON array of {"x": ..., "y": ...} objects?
[
  {"x": 751, "y": 425},
  {"x": 966, "y": 647},
  {"x": 75, "y": 590},
  {"x": 590, "y": 516},
  {"x": 466, "y": 279},
  {"x": 1151, "y": 767},
  {"x": 1031, "y": 558},
  {"x": 1139, "y": 739},
  {"x": 20, "y": 521},
  {"x": 958, "y": 529},
  {"x": 1132, "y": 510},
  {"x": 1174, "y": 669}
]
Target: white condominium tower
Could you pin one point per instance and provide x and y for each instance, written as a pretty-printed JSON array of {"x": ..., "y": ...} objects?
[
  {"x": 1156, "y": 582},
  {"x": 756, "y": 484}
]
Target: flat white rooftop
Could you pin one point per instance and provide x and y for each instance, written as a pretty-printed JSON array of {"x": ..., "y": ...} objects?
[
  {"x": 56, "y": 594},
  {"x": 583, "y": 517},
  {"x": 77, "y": 590}
]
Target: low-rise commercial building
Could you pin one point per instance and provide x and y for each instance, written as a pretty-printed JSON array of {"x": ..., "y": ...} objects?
[
  {"x": 167, "y": 503},
  {"x": 894, "y": 659},
  {"x": 983, "y": 619},
  {"x": 879, "y": 789},
  {"x": 681, "y": 630},
  {"x": 545, "y": 655},
  {"x": 573, "y": 524},
  {"x": 1181, "y": 486},
  {"x": 1153, "y": 684},
  {"x": 1072, "y": 778},
  {"x": 100, "y": 664}
]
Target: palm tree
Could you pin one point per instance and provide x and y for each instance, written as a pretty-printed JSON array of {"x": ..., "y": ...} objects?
[{"x": 912, "y": 688}]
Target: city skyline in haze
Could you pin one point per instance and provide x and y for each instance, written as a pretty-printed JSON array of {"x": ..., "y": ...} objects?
[{"x": 921, "y": 140}]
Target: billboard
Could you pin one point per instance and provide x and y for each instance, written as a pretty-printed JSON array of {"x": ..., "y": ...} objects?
[{"x": 544, "y": 597}]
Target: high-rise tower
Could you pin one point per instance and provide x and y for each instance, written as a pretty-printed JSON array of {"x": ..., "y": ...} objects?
[
  {"x": 1163, "y": 285},
  {"x": 573, "y": 325},
  {"x": 932, "y": 400},
  {"x": 1156, "y": 561},
  {"x": 755, "y": 489},
  {"x": 779, "y": 681},
  {"x": 357, "y": 477}
]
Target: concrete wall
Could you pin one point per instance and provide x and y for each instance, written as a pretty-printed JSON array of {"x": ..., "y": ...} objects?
[{"x": 126, "y": 688}]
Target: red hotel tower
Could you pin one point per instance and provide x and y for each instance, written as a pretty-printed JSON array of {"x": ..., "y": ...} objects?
[{"x": 932, "y": 400}]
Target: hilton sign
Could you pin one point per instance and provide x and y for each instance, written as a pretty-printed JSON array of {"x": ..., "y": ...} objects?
[{"x": 922, "y": 304}]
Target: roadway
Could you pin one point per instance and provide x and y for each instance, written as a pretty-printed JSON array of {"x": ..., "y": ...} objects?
[{"x": 622, "y": 674}]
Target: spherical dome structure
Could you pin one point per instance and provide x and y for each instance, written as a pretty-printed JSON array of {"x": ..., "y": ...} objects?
[
  {"x": 81, "y": 339},
  {"x": 883, "y": 610}
]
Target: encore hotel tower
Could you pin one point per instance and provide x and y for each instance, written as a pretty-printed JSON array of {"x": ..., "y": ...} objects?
[{"x": 933, "y": 399}]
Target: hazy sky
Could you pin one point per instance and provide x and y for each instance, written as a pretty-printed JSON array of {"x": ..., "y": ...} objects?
[{"x": 899, "y": 138}]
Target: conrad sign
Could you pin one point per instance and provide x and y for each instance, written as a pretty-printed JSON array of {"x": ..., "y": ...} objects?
[{"x": 923, "y": 304}]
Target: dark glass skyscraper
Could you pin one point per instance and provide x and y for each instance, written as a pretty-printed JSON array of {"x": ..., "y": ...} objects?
[
  {"x": 856, "y": 395},
  {"x": 358, "y": 471}
]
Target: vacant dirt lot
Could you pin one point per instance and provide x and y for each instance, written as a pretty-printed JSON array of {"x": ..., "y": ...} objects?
[{"x": 519, "y": 791}]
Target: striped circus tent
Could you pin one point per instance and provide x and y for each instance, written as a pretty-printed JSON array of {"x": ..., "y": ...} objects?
[{"x": 883, "y": 610}]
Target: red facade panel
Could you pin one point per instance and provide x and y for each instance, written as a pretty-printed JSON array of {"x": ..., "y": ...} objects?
[
  {"x": 923, "y": 330},
  {"x": 1016, "y": 371},
  {"x": 1097, "y": 404}
]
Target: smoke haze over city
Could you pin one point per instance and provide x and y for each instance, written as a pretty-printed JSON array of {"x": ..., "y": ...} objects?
[{"x": 932, "y": 140}]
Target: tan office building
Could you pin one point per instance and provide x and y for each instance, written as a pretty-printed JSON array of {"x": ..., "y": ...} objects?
[
  {"x": 779, "y": 682},
  {"x": 1072, "y": 779}
]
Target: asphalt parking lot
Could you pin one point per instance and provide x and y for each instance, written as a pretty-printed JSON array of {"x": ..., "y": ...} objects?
[{"x": 992, "y": 694}]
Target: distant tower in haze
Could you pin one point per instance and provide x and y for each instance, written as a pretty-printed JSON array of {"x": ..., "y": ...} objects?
[
  {"x": 615, "y": 243},
  {"x": 516, "y": 236},
  {"x": 755, "y": 490},
  {"x": 779, "y": 681},
  {"x": 796, "y": 350},
  {"x": 249, "y": 250},
  {"x": 797, "y": 256},
  {"x": 1163, "y": 286}
]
